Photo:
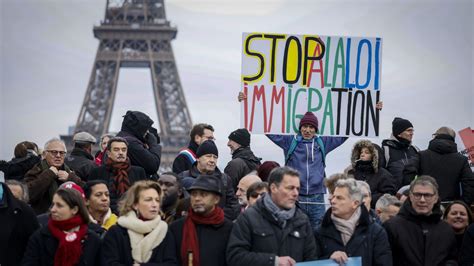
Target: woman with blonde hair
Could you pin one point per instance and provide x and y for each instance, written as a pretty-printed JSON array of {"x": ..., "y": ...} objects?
[{"x": 140, "y": 236}]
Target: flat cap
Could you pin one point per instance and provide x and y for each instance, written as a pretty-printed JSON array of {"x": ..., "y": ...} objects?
[{"x": 84, "y": 137}]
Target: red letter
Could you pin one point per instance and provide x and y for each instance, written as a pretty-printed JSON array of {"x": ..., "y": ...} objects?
[
  {"x": 276, "y": 99},
  {"x": 258, "y": 93},
  {"x": 317, "y": 51}
]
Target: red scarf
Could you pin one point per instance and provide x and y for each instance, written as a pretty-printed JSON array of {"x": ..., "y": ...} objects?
[
  {"x": 190, "y": 241},
  {"x": 120, "y": 170},
  {"x": 69, "y": 250}
]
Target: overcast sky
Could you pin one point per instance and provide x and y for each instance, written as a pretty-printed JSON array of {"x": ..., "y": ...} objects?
[{"x": 48, "y": 49}]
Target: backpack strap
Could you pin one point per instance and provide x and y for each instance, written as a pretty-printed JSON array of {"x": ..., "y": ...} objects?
[
  {"x": 294, "y": 142},
  {"x": 189, "y": 154}
]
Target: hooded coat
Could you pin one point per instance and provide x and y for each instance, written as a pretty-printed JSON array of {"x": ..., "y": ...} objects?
[
  {"x": 421, "y": 240},
  {"x": 143, "y": 148},
  {"x": 379, "y": 179},
  {"x": 450, "y": 169},
  {"x": 243, "y": 162}
]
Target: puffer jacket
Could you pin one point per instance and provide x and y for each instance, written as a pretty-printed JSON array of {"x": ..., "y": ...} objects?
[
  {"x": 307, "y": 159},
  {"x": 368, "y": 241},
  {"x": 143, "y": 152},
  {"x": 379, "y": 179},
  {"x": 256, "y": 238},
  {"x": 243, "y": 162}
]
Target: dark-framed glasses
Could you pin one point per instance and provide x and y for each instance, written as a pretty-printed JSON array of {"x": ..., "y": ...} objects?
[{"x": 427, "y": 196}]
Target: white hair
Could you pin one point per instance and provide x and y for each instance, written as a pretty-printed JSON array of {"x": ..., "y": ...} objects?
[
  {"x": 52, "y": 141},
  {"x": 351, "y": 185},
  {"x": 387, "y": 200}
]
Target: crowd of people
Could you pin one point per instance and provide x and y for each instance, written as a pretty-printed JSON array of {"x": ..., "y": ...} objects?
[{"x": 391, "y": 205}]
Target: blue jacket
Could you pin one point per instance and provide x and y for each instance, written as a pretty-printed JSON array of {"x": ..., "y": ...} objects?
[{"x": 307, "y": 159}]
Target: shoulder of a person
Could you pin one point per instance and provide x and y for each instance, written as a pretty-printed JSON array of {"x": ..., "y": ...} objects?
[{"x": 177, "y": 223}]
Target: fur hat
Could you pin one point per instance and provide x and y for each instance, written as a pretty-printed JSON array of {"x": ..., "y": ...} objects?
[{"x": 358, "y": 146}]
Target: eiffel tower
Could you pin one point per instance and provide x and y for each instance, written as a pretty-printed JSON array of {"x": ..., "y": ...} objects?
[{"x": 136, "y": 33}]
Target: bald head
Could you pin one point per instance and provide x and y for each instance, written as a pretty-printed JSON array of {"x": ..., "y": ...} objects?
[{"x": 243, "y": 185}]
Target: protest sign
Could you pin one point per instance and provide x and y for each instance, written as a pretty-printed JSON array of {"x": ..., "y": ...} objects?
[
  {"x": 352, "y": 261},
  {"x": 337, "y": 78},
  {"x": 467, "y": 136}
]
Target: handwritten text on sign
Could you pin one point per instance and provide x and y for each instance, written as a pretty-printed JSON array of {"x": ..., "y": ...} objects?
[{"x": 337, "y": 78}]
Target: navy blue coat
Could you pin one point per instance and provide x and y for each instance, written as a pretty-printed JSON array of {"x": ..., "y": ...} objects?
[
  {"x": 116, "y": 249},
  {"x": 368, "y": 241}
]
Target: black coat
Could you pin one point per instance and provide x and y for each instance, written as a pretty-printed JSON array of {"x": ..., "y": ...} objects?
[
  {"x": 212, "y": 241},
  {"x": 243, "y": 162},
  {"x": 420, "y": 240},
  {"x": 17, "y": 167},
  {"x": 143, "y": 152},
  {"x": 182, "y": 163},
  {"x": 18, "y": 223},
  {"x": 42, "y": 249},
  {"x": 228, "y": 202},
  {"x": 400, "y": 161},
  {"x": 103, "y": 173},
  {"x": 466, "y": 255},
  {"x": 81, "y": 162},
  {"x": 368, "y": 241},
  {"x": 450, "y": 169},
  {"x": 116, "y": 249},
  {"x": 257, "y": 238}
]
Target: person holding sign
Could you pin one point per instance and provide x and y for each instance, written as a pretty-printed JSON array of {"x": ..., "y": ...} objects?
[
  {"x": 306, "y": 153},
  {"x": 347, "y": 229}
]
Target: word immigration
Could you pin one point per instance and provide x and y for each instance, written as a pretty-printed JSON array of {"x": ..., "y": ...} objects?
[{"x": 337, "y": 78}]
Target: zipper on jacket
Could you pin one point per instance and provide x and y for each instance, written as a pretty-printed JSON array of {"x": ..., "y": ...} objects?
[{"x": 307, "y": 170}]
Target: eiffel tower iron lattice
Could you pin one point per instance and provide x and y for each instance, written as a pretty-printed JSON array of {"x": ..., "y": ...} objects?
[{"x": 136, "y": 33}]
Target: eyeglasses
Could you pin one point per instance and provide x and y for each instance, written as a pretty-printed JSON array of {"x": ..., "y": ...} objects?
[
  {"x": 427, "y": 196},
  {"x": 56, "y": 153}
]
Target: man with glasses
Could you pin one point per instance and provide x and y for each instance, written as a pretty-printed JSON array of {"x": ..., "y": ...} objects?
[
  {"x": 398, "y": 154},
  {"x": 44, "y": 178},
  {"x": 417, "y": 234}
]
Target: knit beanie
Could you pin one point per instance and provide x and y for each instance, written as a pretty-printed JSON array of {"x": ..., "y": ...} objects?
[
  {"x": 241, "y": 136},
  {"x": 263, "y": 171},
  {"x": 399, "y": 125},
  {"x": 309, "y": 119},
  {"x": 207, "y": 147}
]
